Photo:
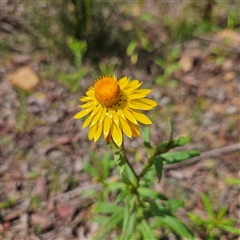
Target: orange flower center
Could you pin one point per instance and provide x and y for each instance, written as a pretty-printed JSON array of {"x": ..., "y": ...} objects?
[{"x": 107, "y": 91}]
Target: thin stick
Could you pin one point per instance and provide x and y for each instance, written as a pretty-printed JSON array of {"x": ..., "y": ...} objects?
[{"x": 208, "y": 154}]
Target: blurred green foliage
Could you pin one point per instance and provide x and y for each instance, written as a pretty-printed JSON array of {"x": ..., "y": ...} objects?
[
  {"x": 93, "y": 32},
  {"x": 213, "y": 225}
]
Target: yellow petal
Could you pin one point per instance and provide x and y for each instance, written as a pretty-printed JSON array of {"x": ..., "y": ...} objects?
[
  {"x": 115, "y": 118},
  {"x": 87, "y": 121},
  {"x": 141, "y": 93},
  {"x": 141, "y": 117},
  {"x": 143, "y": 104},
  {"x": 106, "y": 126},
  {"x": 116, "y": 135},
  {"x": 120, "y": 113},
  {"x": 133, "y": 85},
  {"x": 97, "y": 116},
  {"x": 129, "y": 116},
  {"x": 86, "y": 105},
  {"x": 98, "y": 132},
  {"x": 134, "y": 129},
  {"x": 125, "y": 127},
  {"x": 90, "y": 92},
  {"x": 82, "y": 113},
  {"x": 109, "y": 113},
  {"x": 149, "y": 102},
  {"x": 103, "y": 114},
  {"x": 92, "y": 132},
  {"x": 85, "y": 99},
  {"x": 123, "y": 82}
]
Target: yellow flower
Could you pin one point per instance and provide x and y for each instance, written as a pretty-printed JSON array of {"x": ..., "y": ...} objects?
[{"x": 113, "y": 107}]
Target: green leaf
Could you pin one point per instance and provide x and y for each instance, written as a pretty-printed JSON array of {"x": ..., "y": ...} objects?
[
  {"x": 145, "y": 136},
  {"x": 207, "y": 205},
  {"x": 147, "y": 192},
  {"x": 89, "y": 168},
  {"x": 158, "y": 209},
  {"x": 170, "y": 124},
  {"x": 174, "y": 157},
  {"x": 232, "y": 181},
  {"x": 125, "y": 221},
  {"x": 115, "y": 186},
  {"x": 181, "y": 141},
  {"x": 146, "y": 230},
  {"x": 158, "y": 164},
  {"x": 222, "y": 212},
  {"x": 115, "y": 219},
  {"x": 121, "y": 196},
  {"x": 160, "y": 62},
  {"x": 163, "y": 147},
  {"x": 174, "y": 204},
  {"x": 128, "y": 176},
  {"x": 129, "y": 222},
  {"x": 120, "y": 161},
  {"x": 131, "y": 47},
  {"x": 106, "y": 165},
  {"x": 177, "y": 226},
  {"x": 229, "y": 229},
  {"x": 106, "y": 208},
  {"x": 101, "y": 220}
]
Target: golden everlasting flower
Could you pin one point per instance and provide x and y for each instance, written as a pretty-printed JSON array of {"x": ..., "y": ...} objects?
[{"x": 113, "y": 107}]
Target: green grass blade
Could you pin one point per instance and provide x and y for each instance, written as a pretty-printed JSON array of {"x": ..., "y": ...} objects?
[{"x": 146, "y": 230}]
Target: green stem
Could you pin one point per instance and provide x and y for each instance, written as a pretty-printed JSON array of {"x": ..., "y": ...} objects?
[
  {"x": 123, "y": 154},
  {"x": 159, "y": 150},
  {"x": 147, "y": 165},
  {"x": 130, "y": 165}
]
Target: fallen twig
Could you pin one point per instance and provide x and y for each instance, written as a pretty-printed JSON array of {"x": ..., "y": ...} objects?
[{"x": 208, "y": 154}]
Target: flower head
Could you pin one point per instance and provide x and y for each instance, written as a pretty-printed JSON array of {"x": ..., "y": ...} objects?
[{"x": 113, "y": 107}]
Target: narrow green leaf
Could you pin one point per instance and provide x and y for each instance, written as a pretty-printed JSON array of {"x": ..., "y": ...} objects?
[
  {"x": 121, "y": 196},
  {"x": 145, "y": 136},
  {"x": 158, "y": 209},
  {"x": 181, "y": 141},
  {"x": 170, "y": 128},
  {"x": 89, "y": 168},
  {"x": 146, "y": 230},
  {"x": 128, "y": 176},
  {"x": 120, "y": 161},
  {"x": 115, "y": 186},
  {"x": 131, "y": 47},
  {"x": 177, "y": 226},
  {"x": 229, "y": 229},
  {"x": 222, "y": 212},
  {"x": 106, "y": 165},
  {"x": 174, "y": 204},
  {"x": 158, "y": 164},
  {"x": 132, "y": 224},
  {"x": 101, "y": 220},
  {"x": 232, "y": 181},
  {"x": 207, "y": 205},
  {"x": 106, "y": 208},
  {"x": 174, "y": 157},
  {"x": 130, "y": 221},
  {"x": 147, "y": 192},
  {"x": 125, "y": 221},
  {"x": 115, "y": 219}
]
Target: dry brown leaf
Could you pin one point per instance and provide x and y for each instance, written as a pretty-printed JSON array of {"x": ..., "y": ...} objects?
[
  {"x": 40, "y": 188},
  {"x": 186, "y": 62},
  {"x": 230, "y": 35},
  {"x": 24, "y": 78},
  {"x": 41, "y": 220}
]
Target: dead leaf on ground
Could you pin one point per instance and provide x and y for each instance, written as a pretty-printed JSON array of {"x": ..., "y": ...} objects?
[
  {"x": 186, "y": 62},
  {"x": 24, "y": 78},
  {"x": 41, "y": 220}
]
